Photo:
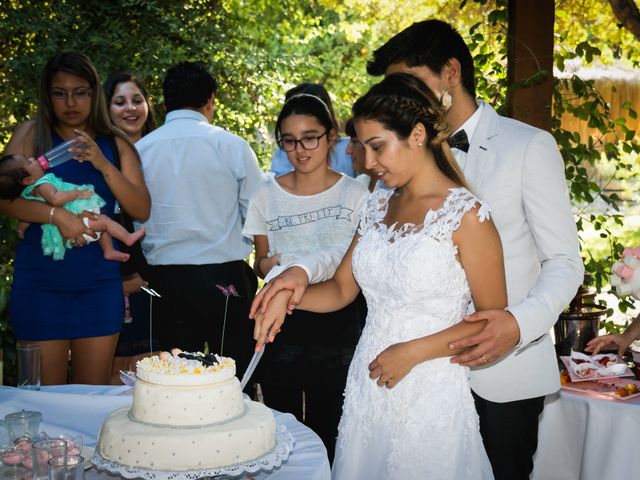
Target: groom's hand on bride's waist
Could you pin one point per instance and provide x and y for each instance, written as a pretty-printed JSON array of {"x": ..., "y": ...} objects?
[{"x": 500, "y": 334}]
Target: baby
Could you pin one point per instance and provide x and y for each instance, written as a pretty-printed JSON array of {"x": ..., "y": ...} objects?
[{"x": 22, "y": 176}]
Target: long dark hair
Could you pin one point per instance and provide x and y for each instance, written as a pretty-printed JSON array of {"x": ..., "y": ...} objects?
[
  {"x": 399, "y": 103},
  {"x": 98, "y": 122},
  {"x": 111, "y": 85}
]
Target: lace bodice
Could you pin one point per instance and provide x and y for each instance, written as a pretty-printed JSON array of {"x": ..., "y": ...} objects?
[
  {"x": 426, "y": 426},
  {"x": 412, "y": 270}
]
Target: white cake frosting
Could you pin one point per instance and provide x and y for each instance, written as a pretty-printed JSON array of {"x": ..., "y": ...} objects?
[
  {"x": 156, "y": 448},
  {"x": 172, "y": 370},
  {"x": 187, "y": 416}
]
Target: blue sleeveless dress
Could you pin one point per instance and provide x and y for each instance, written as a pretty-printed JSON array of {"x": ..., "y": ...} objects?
[{"x": 80, "y": 296}]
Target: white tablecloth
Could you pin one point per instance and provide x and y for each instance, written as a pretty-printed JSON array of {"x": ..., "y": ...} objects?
[
  {"x": 74, "y": 409},
  {"x": 586, "y": 437}
]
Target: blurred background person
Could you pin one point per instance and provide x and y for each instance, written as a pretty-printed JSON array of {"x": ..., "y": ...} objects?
[
  {"x": 356, "y": 150},
  {"x": 201, "y": 178},
  {"x": 131, "y": 111}
]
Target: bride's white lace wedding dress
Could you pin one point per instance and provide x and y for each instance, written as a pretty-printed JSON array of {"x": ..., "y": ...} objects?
[{"x": 426, "y": 427}]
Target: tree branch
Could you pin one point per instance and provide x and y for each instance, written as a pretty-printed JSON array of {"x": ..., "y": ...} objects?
[{"x": 627, "y": 13}]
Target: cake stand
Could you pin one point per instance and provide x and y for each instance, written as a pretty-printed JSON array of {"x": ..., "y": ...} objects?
[{"x": 265, "y": 463}]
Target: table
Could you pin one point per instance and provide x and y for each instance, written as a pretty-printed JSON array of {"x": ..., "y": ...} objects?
[
  {"x": 583, "y": 436},
  {"x": 81, "y": 409}
]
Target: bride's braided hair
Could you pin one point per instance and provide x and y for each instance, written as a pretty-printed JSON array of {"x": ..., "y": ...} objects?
[{"x": 399, "y": 103}]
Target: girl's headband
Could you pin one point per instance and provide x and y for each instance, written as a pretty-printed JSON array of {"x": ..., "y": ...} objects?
[{"x": 308, "y": 95}]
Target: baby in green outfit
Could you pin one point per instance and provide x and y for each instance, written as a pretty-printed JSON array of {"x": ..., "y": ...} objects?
[{"x": 22, "y": 176}]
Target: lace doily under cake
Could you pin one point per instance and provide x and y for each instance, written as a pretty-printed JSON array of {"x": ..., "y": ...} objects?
[{"x": 283, "y": 448}]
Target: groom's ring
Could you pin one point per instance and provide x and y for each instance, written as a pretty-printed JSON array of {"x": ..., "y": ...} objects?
[
  {"x": 73, "y": 242},
  {"x": 484, "y": 359}
]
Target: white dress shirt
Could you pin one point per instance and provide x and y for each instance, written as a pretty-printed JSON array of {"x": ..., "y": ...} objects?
[
  {"x": 469, "y": 127},
  {"x": 200, "y": 178}
]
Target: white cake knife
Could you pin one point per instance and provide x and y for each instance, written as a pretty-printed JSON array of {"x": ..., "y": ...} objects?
[{"x": 252, "y": 366}]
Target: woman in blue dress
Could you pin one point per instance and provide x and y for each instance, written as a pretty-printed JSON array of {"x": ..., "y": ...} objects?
[{"x": 74, "y": 305}]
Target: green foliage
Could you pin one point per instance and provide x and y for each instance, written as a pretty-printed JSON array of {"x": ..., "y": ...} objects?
[
  {"x": 614, "y": 144},
  {"x": 260, "y": 48},
  {"x": 612, "y": 328}
]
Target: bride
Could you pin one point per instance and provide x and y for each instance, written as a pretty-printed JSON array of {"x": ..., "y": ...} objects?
[{"x": 424, "y": 250}]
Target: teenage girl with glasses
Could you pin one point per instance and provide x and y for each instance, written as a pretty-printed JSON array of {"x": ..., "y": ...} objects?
[{"x": 296, "y": 214}]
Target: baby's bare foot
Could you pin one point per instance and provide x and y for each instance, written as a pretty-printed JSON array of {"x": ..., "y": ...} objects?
[
  {"x": 116, "y": 256},
  {"x": 134, "y": 237}
]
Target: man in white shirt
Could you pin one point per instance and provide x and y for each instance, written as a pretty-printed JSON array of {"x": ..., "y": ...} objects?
[
  {"x": 517, "y": 169},
  {"x": 200, "y": 178}
]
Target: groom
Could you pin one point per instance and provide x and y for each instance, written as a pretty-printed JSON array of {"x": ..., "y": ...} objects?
[{"x": 519, "y": 172}]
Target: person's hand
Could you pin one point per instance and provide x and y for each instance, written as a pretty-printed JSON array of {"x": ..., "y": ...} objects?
[
  {"x": 72, "y": 227},
  {"x": 498, "y": 337},
  {"x": 606, "y": 342},
  {"x": 87, "y": 150},
  {"x": 132, "y": 284},
  {"x": 293, "y": 278},
  {"x": 84, "y": 193},
  {"x": 393, "y": 364},
  {"x": 268, "y": 324}
]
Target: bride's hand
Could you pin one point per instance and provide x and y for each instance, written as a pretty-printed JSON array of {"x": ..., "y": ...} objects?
[
  {"x": 268, "y": 324},
  {"x": 293, "y": 278},
  {"x": 393, "y": 364}
]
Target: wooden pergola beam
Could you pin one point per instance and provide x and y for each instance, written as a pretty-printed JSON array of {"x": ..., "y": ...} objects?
[{"x": 530, "y": 50}]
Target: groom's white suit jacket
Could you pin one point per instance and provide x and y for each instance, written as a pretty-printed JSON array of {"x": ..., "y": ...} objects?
[{"x": 517, "y": 169}]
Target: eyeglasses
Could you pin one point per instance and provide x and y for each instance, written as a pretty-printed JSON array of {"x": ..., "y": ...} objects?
[
  {"x": 307, "y": 143},
  {"x": 79, "y": 94}
]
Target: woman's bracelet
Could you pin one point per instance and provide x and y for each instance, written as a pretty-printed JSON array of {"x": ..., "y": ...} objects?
[{"x": 51, "y": 212}]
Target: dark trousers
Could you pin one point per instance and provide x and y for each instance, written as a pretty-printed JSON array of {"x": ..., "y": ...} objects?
[
  {"x": 191, "y": 310},
  {"x": 510, "y": 435},
  {"x": 304, "y": 371}
]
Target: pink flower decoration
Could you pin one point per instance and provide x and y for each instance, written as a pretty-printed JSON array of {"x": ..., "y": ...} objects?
[{"x": 228, "y": 290}]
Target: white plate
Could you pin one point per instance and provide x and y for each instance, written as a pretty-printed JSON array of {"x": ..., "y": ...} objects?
[{"x": 595, "y": 376}]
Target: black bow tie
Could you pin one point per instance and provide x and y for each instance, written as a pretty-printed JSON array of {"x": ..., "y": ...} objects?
[{"x": 460, "y": 141}]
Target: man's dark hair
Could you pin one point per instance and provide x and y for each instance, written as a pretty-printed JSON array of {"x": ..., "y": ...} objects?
[
  {"x": 430, "y": 43},
  {"x": 12, "y": 174},
  {"x": 188, "y": 85}
]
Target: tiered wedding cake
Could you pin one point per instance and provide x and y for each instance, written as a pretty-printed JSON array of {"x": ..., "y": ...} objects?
[{"x": 188, "y": 413}]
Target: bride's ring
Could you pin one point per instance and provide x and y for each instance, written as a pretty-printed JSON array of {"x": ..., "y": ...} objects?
[
  {"x": 484, "y": 359},
  {"x": 73, "y": 242}
]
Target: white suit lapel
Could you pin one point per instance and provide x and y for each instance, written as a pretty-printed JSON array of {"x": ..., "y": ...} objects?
[{"x": 480, "y": 148}]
